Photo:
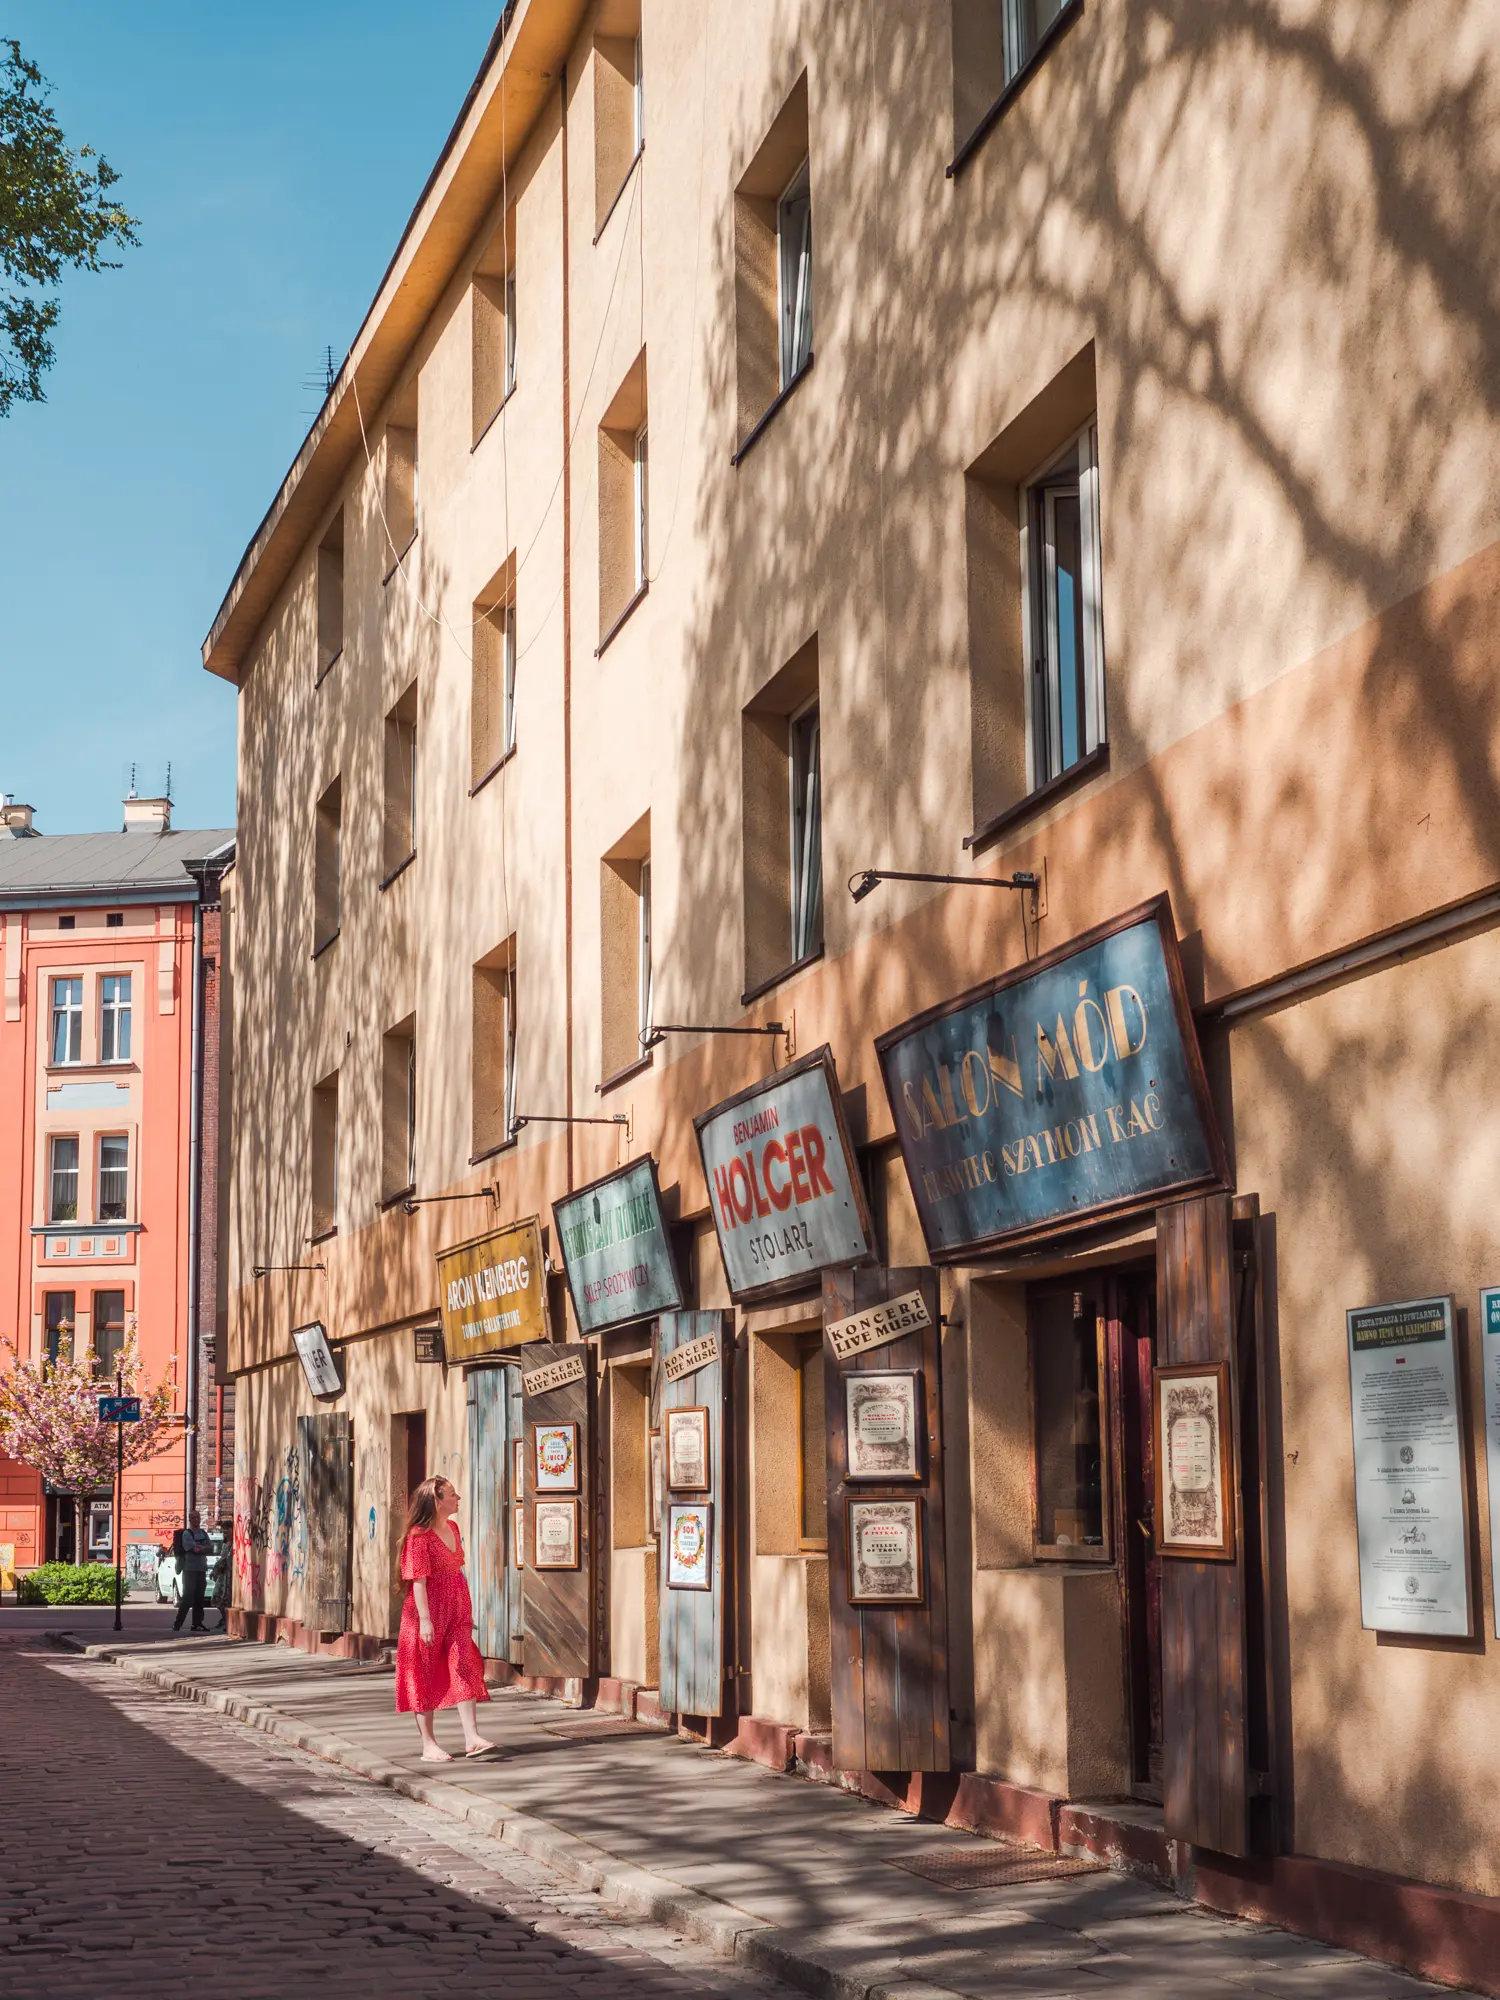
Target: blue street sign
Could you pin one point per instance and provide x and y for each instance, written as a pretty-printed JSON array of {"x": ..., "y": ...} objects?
[{"x": 119, "y": 1409}]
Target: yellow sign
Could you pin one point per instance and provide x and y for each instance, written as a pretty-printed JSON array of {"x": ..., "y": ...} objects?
[{"x": 494, "y": 1292}]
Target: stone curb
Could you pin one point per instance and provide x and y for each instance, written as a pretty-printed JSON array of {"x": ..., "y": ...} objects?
[{"x": 725, "y": 1930}]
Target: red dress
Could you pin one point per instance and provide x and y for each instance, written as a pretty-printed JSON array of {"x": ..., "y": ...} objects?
[{"x": 450, "y": 1669}]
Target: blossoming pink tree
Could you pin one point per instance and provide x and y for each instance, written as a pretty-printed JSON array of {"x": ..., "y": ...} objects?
[{"x": 49, "y": 1419}]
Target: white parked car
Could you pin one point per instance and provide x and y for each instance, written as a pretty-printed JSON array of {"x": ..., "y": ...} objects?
[{"x": 168, "y": 1585}]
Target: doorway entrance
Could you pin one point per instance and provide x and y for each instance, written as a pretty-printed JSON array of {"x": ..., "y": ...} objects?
[{"x": 1092, "y": 1348}]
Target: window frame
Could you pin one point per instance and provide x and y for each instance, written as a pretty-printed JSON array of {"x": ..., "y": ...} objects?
[
  {"x": 1039, "y": 613},
  {"x": 794, "y": 327},
  {"x": 54, "y": 1140},
  {"x": 1096, "y": 1555},
  {"x": 805, "y": 830},
  {"x": 508, "y": 1085},
  {"x": 809, "y": 1352},
  {"x": 71, "y": 1016},
  {"x": 638, "y": 102},
  {"x": 52, "y": 1347},
  {"x": 641, "y": 489},
  {"x": 102, "y": 1368},
  {"x": 411, "y": 1110},
  {"x": 114, "y": 1014},
  {"x": 101, "y": 1140},
  {"x": 644, "y": 972}
]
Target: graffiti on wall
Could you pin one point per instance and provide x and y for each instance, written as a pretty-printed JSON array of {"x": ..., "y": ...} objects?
[{"x": 270, "y": 1524}]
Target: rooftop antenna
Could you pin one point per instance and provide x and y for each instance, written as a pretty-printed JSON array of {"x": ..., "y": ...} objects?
[
  {"x": 320, "y": 384},
  {"x": 132, "y": 779},
  {"x": 168, "y": 792}
]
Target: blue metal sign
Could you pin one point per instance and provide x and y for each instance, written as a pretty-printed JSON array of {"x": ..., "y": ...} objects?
[
  {"x": 1069, "y": 1090},
  {"x": 119, "y": 1409}
]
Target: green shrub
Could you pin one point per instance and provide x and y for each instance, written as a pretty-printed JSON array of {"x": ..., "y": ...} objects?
[{"x": 67, "y": 1583}]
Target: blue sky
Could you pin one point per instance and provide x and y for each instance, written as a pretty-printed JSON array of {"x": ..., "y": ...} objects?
[{"x": 272, "y": 155}]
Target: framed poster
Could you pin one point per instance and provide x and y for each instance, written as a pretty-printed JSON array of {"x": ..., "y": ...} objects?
[
  {"x": 687, "y": 1449},
  {"x": 518, "y": 1537},
  {"x": 1489, "y": 1314},
  {"x": 883, "y": 1425},
  {"x": 554, "y": 1458},
  {"x": 885, "y": 1551},
  {"x": 1193, "y": 1447},
  {"x": 1410, "y": 1502},
  {"x": 783, "y": 1185},
  {"x": 654, "y": 1463},
  {"x": 518, "y": 1468},
  {"x": 1068, "y": 1090},
  {"x": 689, "y": 1545},
  {"x": 555, "y": 1534}
]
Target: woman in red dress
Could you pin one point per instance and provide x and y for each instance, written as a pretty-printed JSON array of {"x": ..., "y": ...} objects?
[{"x": 437, "y": 1663}]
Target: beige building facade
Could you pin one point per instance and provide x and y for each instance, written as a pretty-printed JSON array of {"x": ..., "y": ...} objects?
[{"x": 959, "y": 440}]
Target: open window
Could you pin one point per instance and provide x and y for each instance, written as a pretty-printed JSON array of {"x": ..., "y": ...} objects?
[
  {"x": 494, "y": 1050},
  {"x": 619, "y": 103},
  {"x": 1062, "y": 612},
  {"x": 773, "y": 268},
  {"x": 996, "y": 46},
  {"x": 782, "y": 774},
  {"x": 492, "y": 709}
]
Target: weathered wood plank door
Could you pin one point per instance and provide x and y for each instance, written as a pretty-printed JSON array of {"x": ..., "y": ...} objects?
[
  {"x": 1203, "y": 1603},
  {"x": 489, "y": 1524},
  {"x": 889, "y": 1665},
  {"x": 693, "y": 1623},
  {"x": 558, "y": 1613},
  {"x": 326, "y": 1445}
]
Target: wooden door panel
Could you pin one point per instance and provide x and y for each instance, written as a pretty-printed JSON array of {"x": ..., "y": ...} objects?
[
  {"x": 693, "y": 1623},
  {"x": 558, "y": 1603},
  {"x": 328, "y": 1496},
  {"x": 1202, "y": 1603},
  {"x": 888, "y": 1665},
  {"x": 487, "y": 1514}
]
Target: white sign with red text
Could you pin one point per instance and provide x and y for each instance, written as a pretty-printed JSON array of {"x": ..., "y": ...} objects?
[{"x": 781, "y": 1182}]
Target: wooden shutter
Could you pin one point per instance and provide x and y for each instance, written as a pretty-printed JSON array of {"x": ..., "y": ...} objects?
[
  {"x": 693, "y": 1622},
  {"x": 325, "y": 1442},
  {"x": 889, "y": 1667},
  {"x": 558, "y": 1614},
  {"x": 1203, "y": 1603}
]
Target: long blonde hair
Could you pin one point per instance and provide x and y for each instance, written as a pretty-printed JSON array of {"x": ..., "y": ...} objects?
[{"x": 422, "y": 1513}]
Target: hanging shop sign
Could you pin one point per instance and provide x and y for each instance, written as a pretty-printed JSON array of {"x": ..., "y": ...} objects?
[
  {"x": 1489, "y": 1311},
  {"x": 690, "y": 1357},
  {"x": 319, "y": 1366},
  {"x": 782, "y": 1182},
  {"x": 555, "y": 1375},
  {"x": 1410, "y": 1513},
  {"x": 493, "y": 1291},
  {"x": 427, "y": 1343},
  {"x": 615, "y": 1249},
  {"x": 877, "y": 1326},
  {"x": 1067, "y": 1091}
]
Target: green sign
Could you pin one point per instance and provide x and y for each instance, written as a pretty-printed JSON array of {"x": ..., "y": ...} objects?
[{"x": 615, "y": 1249}]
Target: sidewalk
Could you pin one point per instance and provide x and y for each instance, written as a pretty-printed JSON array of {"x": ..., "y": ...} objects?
[{"x": 795, "y": 1879}]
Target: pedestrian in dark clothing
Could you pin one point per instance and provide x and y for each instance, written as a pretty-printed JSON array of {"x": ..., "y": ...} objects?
[
  {"x": 218, "y": 1577},
  {"x": 192, "y": 1547}
]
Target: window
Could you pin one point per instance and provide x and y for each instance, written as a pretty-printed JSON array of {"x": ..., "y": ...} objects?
[
  {"x": 114, "y": 1017},
  {"x": 492, "y": 709},
  {"x": 492, "y": 313},
  {"x": 1023, "y": 24},
  {"x": 625, "y": 948},
  {"x": 109, "y": 1331},
  {"x": 330, "y": 582},
  {"x": 773, "y": 301},
  {"x": 1066, "y": 1333},
  {"x": 67, "y": 923},
  {"x": 619, "y": 103},
  {"x": 401, "y": 502},
  {"x": 67, "y": 1021},
  {"x": 806, "y": 835},
  {"x": 783, "y": 822},
  {"x": 794, "y": 274},
  {"x": 114, "y": 1178},
  {"x": 63, "y": 1192},
  {"x": 401, "y": 782},
  {"x": 624, "y": 501},
  {"x": 115, "y": 921},
  {"x": 399, "y": 1109},
  {"x": 640, "y": 507},
  {"x": 58, "y": 1315},
  {"x": 812, "y": 1443},
  {"x": 494, "y": 1049},
  {"x": 1064, "y": 628},
  {"x": 327, "y": 866},
  {"x": 325, "y": 1156}
]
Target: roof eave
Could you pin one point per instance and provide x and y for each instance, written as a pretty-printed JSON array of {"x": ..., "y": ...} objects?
[{"x": 502, "y": 108}]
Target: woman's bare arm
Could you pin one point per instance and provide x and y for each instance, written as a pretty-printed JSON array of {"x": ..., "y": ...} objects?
[{"x": 424, "y": 1612}]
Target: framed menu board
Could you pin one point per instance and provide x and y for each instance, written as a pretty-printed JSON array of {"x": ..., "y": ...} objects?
[
  {"x": 1194, "y": 1462},
  {"x": 1409, "y": 1501}
]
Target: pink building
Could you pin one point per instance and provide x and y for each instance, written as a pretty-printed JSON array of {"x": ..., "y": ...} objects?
[{"x": 109, "y": 946}]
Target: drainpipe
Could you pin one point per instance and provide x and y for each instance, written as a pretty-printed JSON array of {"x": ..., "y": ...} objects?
[{"x": 195, "y": 1214}]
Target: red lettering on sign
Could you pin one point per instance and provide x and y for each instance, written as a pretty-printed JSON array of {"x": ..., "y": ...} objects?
[
  {"x": 738, "y": 1172},
  {"x": 780, "y": 1197},
  {"x": 812, "y": 1145},
  {"x": 799, "y": 1168},
  {"x": 762, "y": 1206},
  {"x": 726, "y": 1200}
]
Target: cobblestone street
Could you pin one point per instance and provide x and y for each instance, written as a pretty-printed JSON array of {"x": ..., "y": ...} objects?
[{"x": 153, "y": 1849}]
